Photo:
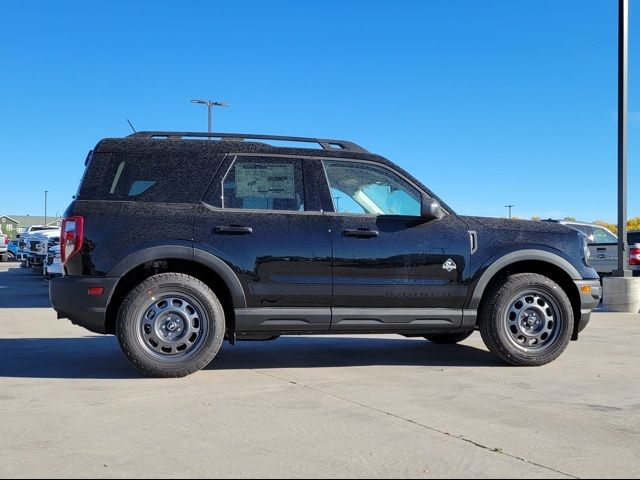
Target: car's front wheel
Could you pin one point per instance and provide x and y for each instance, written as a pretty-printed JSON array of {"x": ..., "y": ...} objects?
[
  {"x": 526, "y": 319},
  {"x": 170, "y": 325}
]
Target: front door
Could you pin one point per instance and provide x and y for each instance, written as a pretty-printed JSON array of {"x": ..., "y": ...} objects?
[
  {"x": 392, "y": 269},
  {"x": 262, "y": 219}
]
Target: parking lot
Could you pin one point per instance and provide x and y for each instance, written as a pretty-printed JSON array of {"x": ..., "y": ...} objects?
[{"x": 378, "y": 406}]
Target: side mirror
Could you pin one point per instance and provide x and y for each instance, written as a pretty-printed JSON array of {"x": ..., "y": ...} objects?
[
  {"x": 18, "y": 235},
  {"x": 430, "y": 208}
]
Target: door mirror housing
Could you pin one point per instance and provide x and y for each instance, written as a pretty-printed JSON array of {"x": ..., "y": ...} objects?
[{"x": 430, "y": 208}]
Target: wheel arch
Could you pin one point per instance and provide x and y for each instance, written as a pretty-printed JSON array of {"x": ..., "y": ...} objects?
[
  {"x": 530, "y": 261},
  {"x": 202, "y": 265}
]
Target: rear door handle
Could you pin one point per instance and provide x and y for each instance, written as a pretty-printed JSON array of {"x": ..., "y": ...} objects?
[
  {"x": 233, "y": 230},
  {"x": 602, "y": 249},
  {"x": 361, "y": 233}
]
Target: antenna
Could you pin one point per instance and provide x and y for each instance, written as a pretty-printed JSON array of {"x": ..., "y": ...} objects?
[{"x": 134, "y": 130}]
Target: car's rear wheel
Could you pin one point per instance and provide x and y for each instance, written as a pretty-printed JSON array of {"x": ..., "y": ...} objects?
[
  {"x": 448, "y": 338},
  {"x": 170, "y": 325},
  {"x": 526, "y": 319}
]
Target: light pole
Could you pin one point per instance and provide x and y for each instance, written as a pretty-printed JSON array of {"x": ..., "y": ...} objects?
[
  {"x": 509, "y": 207},
  {"x": 45, "y": 206},
  {"x": 210, "y": 104},
  {"x": 621, "y": 291},
  {"x": 623, "y": 73}
]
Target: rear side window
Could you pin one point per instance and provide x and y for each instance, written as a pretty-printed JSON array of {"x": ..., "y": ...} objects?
[
  {"x": 255, "y": 183},
  {"x": 156, "y": 178}
]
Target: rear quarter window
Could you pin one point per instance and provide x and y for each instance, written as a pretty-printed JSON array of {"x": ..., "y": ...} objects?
[{"x": 156, "y": 178}]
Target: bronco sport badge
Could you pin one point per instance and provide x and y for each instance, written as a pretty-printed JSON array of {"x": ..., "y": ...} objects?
[{"x": 449, "y": 265}]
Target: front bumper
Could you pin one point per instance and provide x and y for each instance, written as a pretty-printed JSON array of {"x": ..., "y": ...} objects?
[
  {"x": 70, "y": 299},
  {"x": 590, "y": 296},
  {"x": 36, "y": 259}
]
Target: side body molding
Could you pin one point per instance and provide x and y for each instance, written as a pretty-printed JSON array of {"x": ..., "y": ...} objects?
[
  {"x": 514, "y": 257},
  {"x": 184, "y": 252}
]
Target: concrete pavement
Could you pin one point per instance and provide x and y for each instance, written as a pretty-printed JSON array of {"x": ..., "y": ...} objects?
[{"x": 375, "y": 406}]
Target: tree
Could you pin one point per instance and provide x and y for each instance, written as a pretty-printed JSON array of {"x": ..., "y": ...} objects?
[
  {"x": 633, "y": 223},
  {"x": 536, "y": 218}
]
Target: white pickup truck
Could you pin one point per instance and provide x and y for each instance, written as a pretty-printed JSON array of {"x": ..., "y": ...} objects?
[
  {"x": 24, "y": 245},
  {"x": 4, "y": 247}
]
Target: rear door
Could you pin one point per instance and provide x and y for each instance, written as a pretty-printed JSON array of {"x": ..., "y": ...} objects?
[{"x": 262, "y": 218}]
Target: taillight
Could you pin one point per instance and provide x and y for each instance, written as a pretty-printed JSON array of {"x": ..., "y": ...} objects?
[
  {"x": 6, "y": 240},
  {"x": 634, "y": 256},
  {"x": 71, "y": 238}
]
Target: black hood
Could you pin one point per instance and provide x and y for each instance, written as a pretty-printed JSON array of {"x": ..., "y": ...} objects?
[{"x": 520, "y": 225}]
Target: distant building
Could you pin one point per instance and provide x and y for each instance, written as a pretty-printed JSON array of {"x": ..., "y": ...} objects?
[{"x": 16, "y": 224}]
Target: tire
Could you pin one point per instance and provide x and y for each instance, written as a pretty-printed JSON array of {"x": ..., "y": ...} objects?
[
  {"x": 526, "y": 319},
  {"x": 448, "y": 338},
  {"x": 170, "y": 325},
  {"x": 4, "y": 257}
]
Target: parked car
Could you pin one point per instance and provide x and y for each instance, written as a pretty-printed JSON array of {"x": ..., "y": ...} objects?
[
  {"x": 13, "y": 250},
  {"x": 173, "y": 244},
  {"x": 603, "y": 247},
  {"x": 4, "y": 247},
  {"x": 633, "y": 240},
  {"x": 38, "y": 245},
  {"x": 24, "y": 245},
  {"x": 53, "y": 265}
]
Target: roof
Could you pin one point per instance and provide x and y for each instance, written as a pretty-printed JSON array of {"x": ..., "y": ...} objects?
[
  {"x": 166, "y": 144},
  {"x": 27, "y": 220}
]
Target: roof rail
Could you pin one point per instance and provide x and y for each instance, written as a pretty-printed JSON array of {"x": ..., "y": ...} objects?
[{"x": 326, "y": 144}]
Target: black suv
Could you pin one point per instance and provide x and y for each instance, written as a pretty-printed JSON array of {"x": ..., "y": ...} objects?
[{"x": 176, "y": 241}]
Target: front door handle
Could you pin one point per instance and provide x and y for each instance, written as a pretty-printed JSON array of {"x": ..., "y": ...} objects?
[
  {"x": 361, "y": 233},
  {"x": 233, "y": 230}
]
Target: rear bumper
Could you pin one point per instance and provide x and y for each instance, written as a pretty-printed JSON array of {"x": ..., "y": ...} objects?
[
  {"x": 588, "y": 301},
  {"x": 70, "y": 299}
]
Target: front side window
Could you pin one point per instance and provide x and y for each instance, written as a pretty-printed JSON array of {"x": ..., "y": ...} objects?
[
  {"x": 256, "y": 183},
  {"x": 364, "y": 188}
]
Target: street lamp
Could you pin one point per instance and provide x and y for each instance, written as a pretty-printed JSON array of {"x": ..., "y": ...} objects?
[
  {"x": 210, "y": 104},
  {"x": 45, "y": 206},
  {"x": 509, "y": 207},
  {"x": 623, "y": 76}
]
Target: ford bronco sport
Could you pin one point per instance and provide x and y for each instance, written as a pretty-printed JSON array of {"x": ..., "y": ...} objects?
[{"x": 176, "y": 241}]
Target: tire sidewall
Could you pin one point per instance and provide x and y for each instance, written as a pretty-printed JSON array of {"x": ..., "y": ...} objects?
[
  {"x": 498, "y": 329},
  {"x": 138, "y": 301}
]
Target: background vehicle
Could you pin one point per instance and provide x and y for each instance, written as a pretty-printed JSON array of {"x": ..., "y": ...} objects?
[
  {"x": 633, "y": 240},
  {"x": 53, "y": 265},
  {"x": 4, "y": 247},
  {"x": 38, "y": 244},
  {"x": 603, "y": 247},
  {"x": 174, "y": 244},
  {"x": 13, "y": 250},
  {"x": 24, "y": 241}
]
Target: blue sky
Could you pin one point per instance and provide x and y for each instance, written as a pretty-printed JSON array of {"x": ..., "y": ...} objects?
[{"x": 488, "y": 102}]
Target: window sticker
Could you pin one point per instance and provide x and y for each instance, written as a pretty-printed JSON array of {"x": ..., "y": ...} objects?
[{"x": 265, "y": 180}]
